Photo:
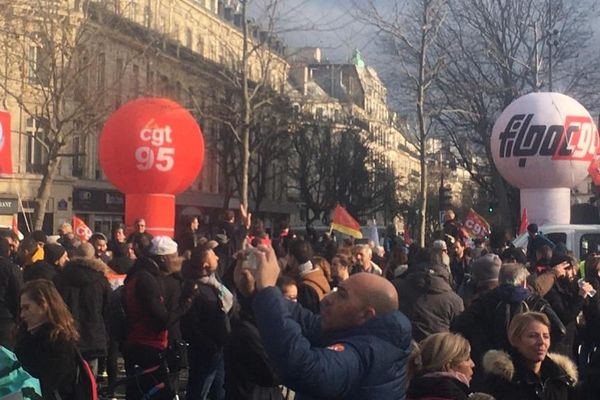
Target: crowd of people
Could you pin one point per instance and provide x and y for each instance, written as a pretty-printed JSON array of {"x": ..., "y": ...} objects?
[{"x": 258, "y": 316}]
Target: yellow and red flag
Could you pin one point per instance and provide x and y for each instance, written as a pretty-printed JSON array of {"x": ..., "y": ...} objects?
[
  {"x": 476, "y": 225},
  {"x": 343, "y": 222},
  {"x": 81, "y": 230}
]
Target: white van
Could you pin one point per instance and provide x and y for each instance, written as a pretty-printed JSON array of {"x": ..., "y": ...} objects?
[{"x": 581, "y": 239}]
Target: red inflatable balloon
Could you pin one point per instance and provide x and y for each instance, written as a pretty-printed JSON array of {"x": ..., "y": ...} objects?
[
  {"x": 151, "y": 149},
  {"x": 151, "y": 145}
]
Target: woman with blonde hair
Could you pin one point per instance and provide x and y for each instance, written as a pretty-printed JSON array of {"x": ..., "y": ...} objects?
[
  {"x": 528, "y": 371},
  {"x": 440, "y": 367},
  {"x": 46, "y": 340}
]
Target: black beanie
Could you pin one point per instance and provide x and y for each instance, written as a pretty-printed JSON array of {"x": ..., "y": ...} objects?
[{"x": 53, "y": 252}]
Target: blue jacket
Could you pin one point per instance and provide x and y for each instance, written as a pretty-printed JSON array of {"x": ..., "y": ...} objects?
[{"x": 366, "y": 363}]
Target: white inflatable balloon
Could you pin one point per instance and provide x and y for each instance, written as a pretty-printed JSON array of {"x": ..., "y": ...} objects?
[{"x": 543, "y": 143}]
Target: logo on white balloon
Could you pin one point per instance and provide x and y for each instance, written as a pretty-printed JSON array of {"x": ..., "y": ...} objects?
[{"x": 575, "y": 140}]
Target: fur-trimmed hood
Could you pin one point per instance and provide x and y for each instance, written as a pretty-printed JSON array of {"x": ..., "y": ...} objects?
[
  {"x": 83, "y": 271},
  {"x": 500, "y": 363}
]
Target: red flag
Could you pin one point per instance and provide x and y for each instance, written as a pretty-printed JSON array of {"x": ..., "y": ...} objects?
[
  {"x": 524, "y": 222},
  {"x": 343, "y": 222},
  {"x": 407, "y": 239},
  {"x": 15, "y": 227},
  {"x": 476, "y": 225},
  {"x": 594, "y": 171},
  {"x": 5, "y": 146},
  {"x": 81, "y": 230}
]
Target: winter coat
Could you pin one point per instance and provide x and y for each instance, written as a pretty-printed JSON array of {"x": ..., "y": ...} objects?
[
  {"x": 428, "y": 301},
  {"x": 11, "y": 280},
  {"x": 148, "y": 317},
  {"x": 567, "y": 303},
  {"x": 52, "y": 362},
  {"x": 431, "y": 387},
  {"x": 39, "y": 270},
  {"x": 85, "y": 290},
  {"x": 366, "y": 362},
  {"x": 507, "y": 378},
  {"x": 484, "y": 324},
  {"x": 249, "y": 373},
  {"x": 591, "y": 312},
  {"x": 205, "y": 326},
  {"x": 312, "y": 287}
]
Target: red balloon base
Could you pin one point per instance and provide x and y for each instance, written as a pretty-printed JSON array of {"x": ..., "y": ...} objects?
[{"x": 158, "y": 210}]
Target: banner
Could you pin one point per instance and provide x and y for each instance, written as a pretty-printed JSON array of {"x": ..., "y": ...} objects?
[
  {"x": 343, "y": 222},
  {"x": 81, "y": 230},
  {"x": 524, "y": 222},
  {"x": 476, "y": 225},
  {"x": 5, "y": 146}
]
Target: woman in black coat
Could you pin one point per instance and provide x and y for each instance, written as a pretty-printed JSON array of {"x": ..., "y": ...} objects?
[
  {"x": 528, "y": 371},
  {"x": 46, "y": 340},
  {"x": 86, "y": 290}
]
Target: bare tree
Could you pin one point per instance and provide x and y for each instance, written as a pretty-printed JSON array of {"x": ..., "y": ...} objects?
[
  {"x": 498, "y": 51},
  {"x": 410, "y": 30},
  {"x": 51, "y": 71},
  {"x": 333, "y": 163}
]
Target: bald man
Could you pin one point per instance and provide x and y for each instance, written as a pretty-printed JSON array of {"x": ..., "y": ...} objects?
[{"x": 356, "y": 349}]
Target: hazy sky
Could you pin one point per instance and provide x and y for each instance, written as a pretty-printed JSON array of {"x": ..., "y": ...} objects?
[{"x": 327, "y": 24}]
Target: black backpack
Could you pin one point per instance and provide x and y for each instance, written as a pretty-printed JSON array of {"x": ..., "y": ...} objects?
[{"x": 118, "y": 324}]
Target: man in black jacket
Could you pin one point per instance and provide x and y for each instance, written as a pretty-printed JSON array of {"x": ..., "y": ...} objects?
[
  {"x": 149, "y": 318},
  {"x": 485, "y": 322},
  {"x": 10, "y": 286}
]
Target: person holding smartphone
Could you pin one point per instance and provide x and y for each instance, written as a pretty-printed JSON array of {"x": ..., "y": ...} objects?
[{"x": 567, "y": 298}]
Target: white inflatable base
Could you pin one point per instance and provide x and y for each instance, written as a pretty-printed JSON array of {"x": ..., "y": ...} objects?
[{"x": 547, "y": 206}]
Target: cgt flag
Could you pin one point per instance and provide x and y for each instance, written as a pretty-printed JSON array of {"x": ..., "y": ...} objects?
[
  {"x": 81, "y": 230},
  {"x": 5, "y": 146},
  {"x": 476, "y": 225},
  {"x": 343, "y": 222}
]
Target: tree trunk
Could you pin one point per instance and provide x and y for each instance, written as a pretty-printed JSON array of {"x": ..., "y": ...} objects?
[
  {"x": 43, "y": 193},
  {"x": 245, "y": 113},
  {"x": 422, "y": 130}
]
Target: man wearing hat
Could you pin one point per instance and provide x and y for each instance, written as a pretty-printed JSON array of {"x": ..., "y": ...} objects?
[
  {"x": 55, "y": 259},
  {"x": 149, "y": 318},
  {"x": 483, "y": 277}
]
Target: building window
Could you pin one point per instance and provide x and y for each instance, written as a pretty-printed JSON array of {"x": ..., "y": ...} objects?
[
  {"x": 37, "y": 153},
  {"x": 38, "y": 71},
  {"x": 188, "y": 37},
  {"x": 79, "y": 158}
]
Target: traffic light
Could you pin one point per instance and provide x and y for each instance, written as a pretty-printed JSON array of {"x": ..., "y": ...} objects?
[
  {"x": 491, "y": 208},
  {"x": 445, "y": 198}
]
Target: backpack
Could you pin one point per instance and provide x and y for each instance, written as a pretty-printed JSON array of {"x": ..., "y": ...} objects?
[
  {"x": 505, "y": 312},
  {"x": 118, "y": 324},
  {"x": 14, "y": 380},
  {"x": 85, "y": 381}
]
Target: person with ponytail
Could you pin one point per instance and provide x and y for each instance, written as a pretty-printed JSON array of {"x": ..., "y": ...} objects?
[
  {"x": 440, "y": 367},
  {"x": 46, "y": 340}
]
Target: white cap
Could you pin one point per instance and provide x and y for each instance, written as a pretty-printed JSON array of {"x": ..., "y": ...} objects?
[{"x": 163, "y": 245}]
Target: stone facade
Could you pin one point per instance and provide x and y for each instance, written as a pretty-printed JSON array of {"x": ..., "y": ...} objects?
[{"x": 181, "y": 49}]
